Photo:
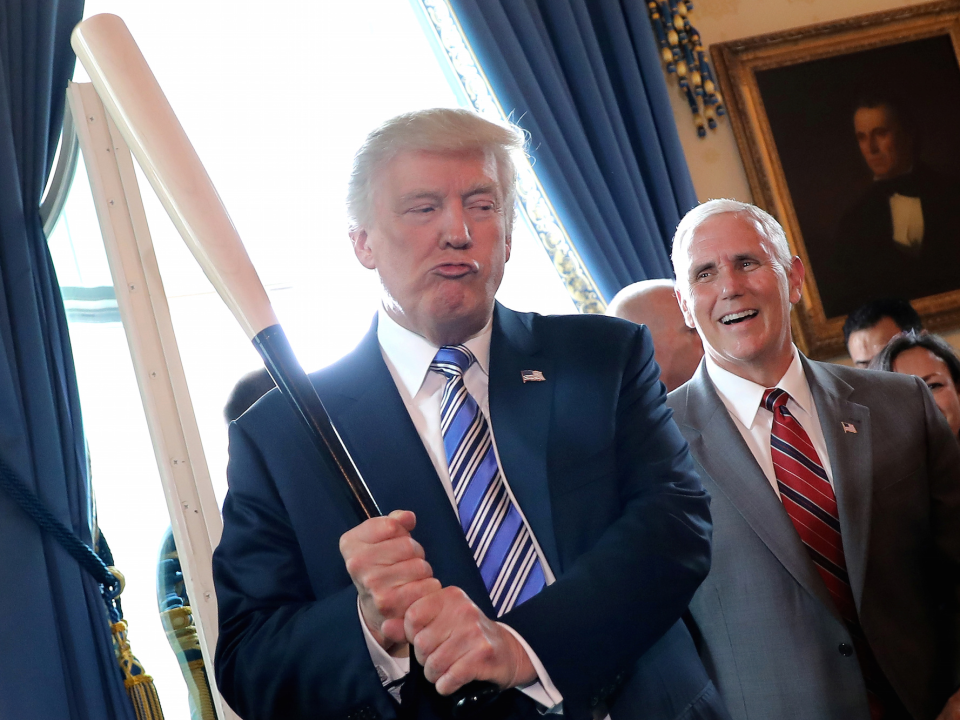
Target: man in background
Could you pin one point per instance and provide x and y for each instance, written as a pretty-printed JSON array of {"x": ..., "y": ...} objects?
[
  {"x": 870, "y": 327},
  {"x": 834, "y": 588},
  {"x": 677, "y": 348},
  {"x": 250, "y": 388}
]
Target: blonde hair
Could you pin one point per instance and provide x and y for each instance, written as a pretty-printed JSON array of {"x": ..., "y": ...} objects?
[{"x": 439, "y": 130}]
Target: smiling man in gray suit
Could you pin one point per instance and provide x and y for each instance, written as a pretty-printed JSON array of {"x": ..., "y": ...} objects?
[{"x": 833, "y": 593}]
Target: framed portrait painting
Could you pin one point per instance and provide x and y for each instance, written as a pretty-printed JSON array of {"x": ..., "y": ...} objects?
[{"x": 850, "y": 135}]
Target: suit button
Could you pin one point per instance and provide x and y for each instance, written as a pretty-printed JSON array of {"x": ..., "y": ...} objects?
[{"x": 845, "y": 650}]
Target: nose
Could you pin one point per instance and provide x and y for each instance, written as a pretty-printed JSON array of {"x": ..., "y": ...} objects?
[
  {"x": 455, "y": 229},
  {"x": 731, "y": 284}
]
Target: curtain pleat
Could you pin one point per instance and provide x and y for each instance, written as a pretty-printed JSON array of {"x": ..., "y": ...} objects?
[
  {"x": 583, "y": 77},
  {"x": 58, "y": 657}
]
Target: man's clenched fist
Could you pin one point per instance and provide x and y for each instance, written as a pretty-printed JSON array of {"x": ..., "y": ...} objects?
[
  {"x": 456, "y": 643},
  {"x": 389, "y": 570}
]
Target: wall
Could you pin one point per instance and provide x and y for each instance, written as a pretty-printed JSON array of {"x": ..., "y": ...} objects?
[{"x": 714, "y": 161}]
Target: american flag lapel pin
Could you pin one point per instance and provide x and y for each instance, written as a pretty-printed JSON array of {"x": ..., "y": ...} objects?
[
  {"x": 532, "y": 376},
  {"x": 849, "y": 427}
]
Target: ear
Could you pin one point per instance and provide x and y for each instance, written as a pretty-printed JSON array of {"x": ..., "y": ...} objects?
[
  {"x": 362, "y": 248},
  {"x": 687, "y": 312},
  {"x": 795, "y": 279},
  {"x": 508, "y": 244}
]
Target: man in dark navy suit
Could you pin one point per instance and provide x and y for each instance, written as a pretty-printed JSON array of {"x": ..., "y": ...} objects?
[{"x": 546, "y": 529}]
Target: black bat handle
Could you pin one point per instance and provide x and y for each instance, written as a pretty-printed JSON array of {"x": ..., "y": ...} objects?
[
  {"x": 274, "y": 347},
  {"x": 282, "y": 364}
]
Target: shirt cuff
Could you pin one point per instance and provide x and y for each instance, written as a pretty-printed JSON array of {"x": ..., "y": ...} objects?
[
  {"x": 389, "y": 668},
  {"x": 543, "y": 692}
]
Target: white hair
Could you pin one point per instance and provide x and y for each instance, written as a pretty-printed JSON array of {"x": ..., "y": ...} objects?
[
  {"x": 439, "y": 130},
  {"x": 765, "y": 223}
]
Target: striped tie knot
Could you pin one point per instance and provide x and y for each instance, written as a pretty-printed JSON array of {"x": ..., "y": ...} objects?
[
  {"x": 775, "y": 398},
  {"x": 452, "y": 361}
]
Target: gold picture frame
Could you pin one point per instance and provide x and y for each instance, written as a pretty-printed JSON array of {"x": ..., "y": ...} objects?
[{"x": 786, "y": 95}]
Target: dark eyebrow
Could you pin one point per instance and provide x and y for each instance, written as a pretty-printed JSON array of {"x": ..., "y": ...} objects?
[
  {"x": 711, "y": 264},
  {"x": 696, "y": 270}
]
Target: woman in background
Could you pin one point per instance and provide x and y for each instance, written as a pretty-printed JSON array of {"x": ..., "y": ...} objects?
[{"x": 933, "y": 360}]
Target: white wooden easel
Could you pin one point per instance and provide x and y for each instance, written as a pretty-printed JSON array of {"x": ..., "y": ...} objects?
[{"x": 194, "y": 514}]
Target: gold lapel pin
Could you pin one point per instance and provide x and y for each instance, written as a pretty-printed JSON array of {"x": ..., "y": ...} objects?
[{"x": 532, "y": 376}]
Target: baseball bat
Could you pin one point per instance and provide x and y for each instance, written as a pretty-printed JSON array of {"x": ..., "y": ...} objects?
[{"x": 133, "y": 98}]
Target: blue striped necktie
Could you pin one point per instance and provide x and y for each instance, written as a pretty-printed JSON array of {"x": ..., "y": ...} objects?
[{"x": 501, "y": 543}]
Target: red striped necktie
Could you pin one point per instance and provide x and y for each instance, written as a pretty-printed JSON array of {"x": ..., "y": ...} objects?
[{"x": 809, "y": 500}]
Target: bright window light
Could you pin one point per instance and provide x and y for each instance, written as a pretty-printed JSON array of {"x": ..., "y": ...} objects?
[{"x": 276, "y": 101}]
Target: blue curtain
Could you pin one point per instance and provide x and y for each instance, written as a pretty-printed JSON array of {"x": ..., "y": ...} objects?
[
  {"x": 57, "y": 660},
  {"x": 584, "y": 78}
]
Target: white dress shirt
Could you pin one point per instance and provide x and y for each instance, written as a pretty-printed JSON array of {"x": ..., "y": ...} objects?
[
  {"x": 907, "y": 216},
  {"x": 408, "y": 357},
  {"x": 742, "y": 399}
]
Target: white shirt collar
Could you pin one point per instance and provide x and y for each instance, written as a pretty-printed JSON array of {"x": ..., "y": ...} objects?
[
  {"x": 742, "y": 397},
  {"x": 411, "y": 354}
]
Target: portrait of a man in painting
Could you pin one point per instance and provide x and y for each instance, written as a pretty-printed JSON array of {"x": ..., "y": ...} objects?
[
  {"x": 900, "y": 237},
  {"x": 870, "y": 162}
]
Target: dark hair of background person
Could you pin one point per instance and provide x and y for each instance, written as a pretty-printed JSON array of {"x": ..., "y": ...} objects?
[
  {"x": 866, "y": 316},
  {"x": 913, "y": 339},
  {"x": 250, "y": 388}
]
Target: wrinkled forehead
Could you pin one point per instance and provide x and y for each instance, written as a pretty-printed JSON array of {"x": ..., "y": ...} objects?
[
  {"x": 723, "y": 236},
  {"x": 416, "y": 166}
]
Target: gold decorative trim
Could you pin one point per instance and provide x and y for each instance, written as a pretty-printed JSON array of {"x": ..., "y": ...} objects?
[
  {"x": 682, "y": 54},
  {"x": 534, "y": 203}
]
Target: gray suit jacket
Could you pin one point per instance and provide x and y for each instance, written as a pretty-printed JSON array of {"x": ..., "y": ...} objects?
[{"x": 767, "y": 631}]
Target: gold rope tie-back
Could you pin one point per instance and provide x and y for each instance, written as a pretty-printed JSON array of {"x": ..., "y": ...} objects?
[
  {"x": 139, "y": 685},
  {"x": 681, "y": 50}
]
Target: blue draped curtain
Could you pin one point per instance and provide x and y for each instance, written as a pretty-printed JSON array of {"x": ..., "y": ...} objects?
[
  {"x": 584, "y": 78},
  {"x": 57, "y": 661}
]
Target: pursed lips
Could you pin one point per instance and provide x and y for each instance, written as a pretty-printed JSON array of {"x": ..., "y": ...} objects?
[{"x": 455, "y": 270}]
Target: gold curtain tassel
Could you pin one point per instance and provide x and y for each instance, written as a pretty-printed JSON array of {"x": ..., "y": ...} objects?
[{"x": 139, "y": 685}]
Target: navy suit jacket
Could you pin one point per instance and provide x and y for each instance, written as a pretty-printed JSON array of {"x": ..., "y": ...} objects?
[{"x": 597, "y": 465}]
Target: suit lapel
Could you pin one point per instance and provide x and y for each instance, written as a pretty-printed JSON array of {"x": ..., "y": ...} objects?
[
  {"x": 851, "y": 464},
  {"x": 520, "y": 416},
  {"x": 719, "y": 447},
  {"x": 370, "y": 416}
]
